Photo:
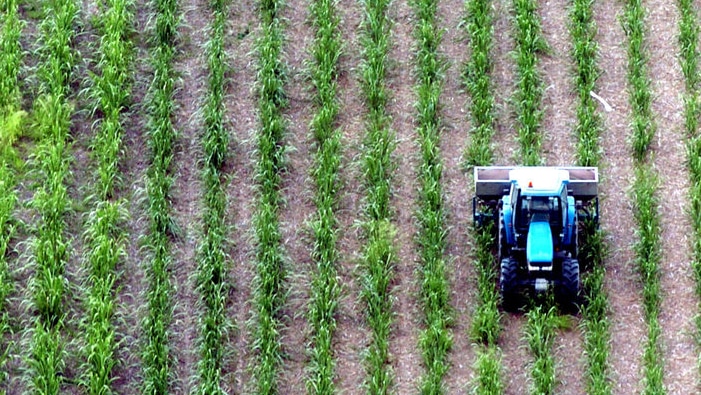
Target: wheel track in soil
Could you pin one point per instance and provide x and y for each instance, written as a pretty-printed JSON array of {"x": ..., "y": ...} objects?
[
  {"x": 679, "y": 305},
  {"x": 621, "y": 282},
  {"x": 241, "y": 103},
  {"x": 457, "y": 191},
  {"x": 297, "y": 191}
]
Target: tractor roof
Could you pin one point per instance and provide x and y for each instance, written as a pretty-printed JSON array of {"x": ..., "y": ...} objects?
[{"x": 539, "y": 181}]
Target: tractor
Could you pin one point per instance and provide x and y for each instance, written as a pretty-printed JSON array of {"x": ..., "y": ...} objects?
[{"x": 538, "y": 213}]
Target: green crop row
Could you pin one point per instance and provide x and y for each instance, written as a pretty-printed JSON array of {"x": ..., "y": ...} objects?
[
  {"x": 156, "y": 359},
  {"x": 379, "y": 144},
  {"x": 529, "y": 86},
  {"x": 269, "y": 292},
  {"x": 104, "y": 237},
  {"x": 52, "y": 115},
  {"x": 595, "y": 323},
  {"x": 326, "y": 51},
  {"x": 478, "y": 80},
  {"x": 648, "y": 245},
  {"x": 540, "y": 335},
  {"x": 689, "y": 60},
  {"x": 486, "y": 325},
  {"x": 212, "y": 265},
  {"x": 10, "y": 123},
  {"x": 435, "y": 340}
]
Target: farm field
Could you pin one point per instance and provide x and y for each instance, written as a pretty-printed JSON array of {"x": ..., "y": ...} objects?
[{"x": 261, "y": 197}]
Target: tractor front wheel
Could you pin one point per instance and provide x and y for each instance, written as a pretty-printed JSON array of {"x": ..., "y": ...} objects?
[{"x": 568, "y": 294}]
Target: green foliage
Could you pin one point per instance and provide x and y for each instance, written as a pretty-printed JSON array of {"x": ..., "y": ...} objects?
[
  {"x": 52, "y": 116},
  {"x": 325, "y": 286},
  {"x": 212, "y": 265},
  {"x": 639, "y": 84},
  {"x": 435, "y": 340},
  {"x": 646, "y": 210},
  {"x": 529, "y": 86},
  {"x": 268, "y": 290},
  {"x": 540, "y": 335},
  {"x": 477, "y": 78},
  {"x": 377, "y": 165},
  {"x": 489, "y": 372},
  {"x": 156, "y": 359}
]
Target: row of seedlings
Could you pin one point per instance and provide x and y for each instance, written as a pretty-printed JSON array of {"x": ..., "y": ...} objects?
[
  {"x": 542, "y": 319},
  {"x": 377, "y": 164},
  {"x": 104, "y": 235},
  {"x": 647, "y": 247},
  {"x": 212, "y": 260},
  {"x": 689, "y": 61},
  {"x": 326, "y": 51},
  {"x": 268, "y": 291},
  {"x": 529, "y": 85},
  {"x": 53, "y": 118},
  {"x": 10, "y": 127},
  {"x": 595, "y": 307},
  {"x": 156, "y": 358},
  {"x": 435, "y": 340},
  {"x": 486, "y": 325}
]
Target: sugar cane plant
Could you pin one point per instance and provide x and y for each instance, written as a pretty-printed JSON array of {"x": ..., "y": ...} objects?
[
  {"x": 540, "y": 335},
  {"x": 529, "y": 86},
  {"x": 486, "y": 324},
  {"x": 52, "y": 115},
  {"x": 646, "y": 202},
  {"x": 10, "y": 128},
  {"x": 377, "y": 165},
  {"x": 326, "y": 51},
  {"x": 435, "y": 340},
  {"x": 595, "y": 323},
  {"x": 269, "y": 292},
  {"x": 478, "y": 80},
  {"x": 104, "y": 236},
  {"x": 212, "y": 265},
  {"x": 156, "y": 358},
  {"x": 689, "y": 60}
]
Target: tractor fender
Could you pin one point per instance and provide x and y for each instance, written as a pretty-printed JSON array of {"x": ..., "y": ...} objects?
[
  {"x": 507, "y": 212},
  {"x": 570, "y": 230}
]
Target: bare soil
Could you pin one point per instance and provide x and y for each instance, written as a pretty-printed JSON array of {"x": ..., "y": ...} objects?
[
  {"x": 621, "y": 283},
  {"x": 680, "y": 305}
]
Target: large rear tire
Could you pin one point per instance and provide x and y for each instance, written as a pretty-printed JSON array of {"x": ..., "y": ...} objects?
[
  {"x": 508, "y": 285},
  {"x": 569, "y": 292}
]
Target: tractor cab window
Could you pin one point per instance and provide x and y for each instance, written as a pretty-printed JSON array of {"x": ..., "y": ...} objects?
[{"x": 544, "y": 208}]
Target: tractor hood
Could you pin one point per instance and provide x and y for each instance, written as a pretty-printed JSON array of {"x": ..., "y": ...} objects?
[{"x": 539, "y": 244}]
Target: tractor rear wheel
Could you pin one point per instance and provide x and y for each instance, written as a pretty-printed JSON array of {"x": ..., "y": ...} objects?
[
  {"x": 568, "y": 294},
  {"x": 508, "y": 285}
]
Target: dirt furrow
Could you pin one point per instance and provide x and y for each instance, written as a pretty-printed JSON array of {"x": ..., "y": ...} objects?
[
  {"x": 187, "y": 192},
  {"x": 297, "y": 191},
  {"x": 621, "y": 283},
  {"x": 457, "y": 191},
  {"x": 352, "y": 334},
  {"x": 131, "y": 284},
  {"x": 679, "y": 304},
  {"x": 406, "y": 356},
  {"x": 240, "y": 120},
  {"x": 515, "y": 358},
  {"x": 559, "y": 144}
]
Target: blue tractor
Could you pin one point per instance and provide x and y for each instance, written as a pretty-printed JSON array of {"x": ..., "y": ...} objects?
[{"x": 538, "y": 213}]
